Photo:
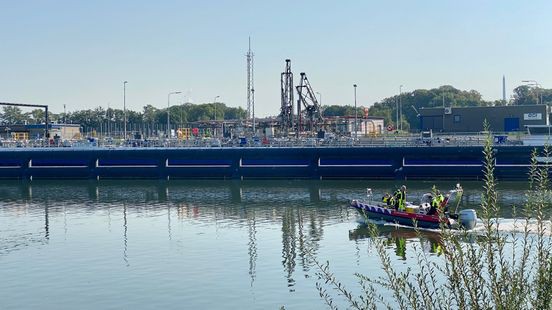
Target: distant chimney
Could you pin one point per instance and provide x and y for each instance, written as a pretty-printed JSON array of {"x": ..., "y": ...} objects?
[{"x": 504, "y": 89}]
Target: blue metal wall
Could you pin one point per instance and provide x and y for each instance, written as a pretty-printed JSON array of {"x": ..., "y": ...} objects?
[{"x": 263, "y": 163}]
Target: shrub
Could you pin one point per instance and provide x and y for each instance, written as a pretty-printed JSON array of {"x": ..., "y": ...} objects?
[{"x": 496, "y": 270}]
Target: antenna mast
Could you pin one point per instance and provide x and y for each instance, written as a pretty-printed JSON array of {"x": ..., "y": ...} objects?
[{"x": 250, "y": 86}]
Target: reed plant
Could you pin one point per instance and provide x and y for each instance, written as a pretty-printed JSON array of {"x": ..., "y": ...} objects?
[{"x": 493, "y": 270}]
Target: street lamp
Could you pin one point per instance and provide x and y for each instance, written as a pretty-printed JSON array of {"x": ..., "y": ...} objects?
[
  {"x": 108, "y": 129},
  {"x": 400, "y": 107},
  {"x": 124, "y": 108},
  {"x": 215, "y": 105},
  {"x": 253, "y": 110},
  {"x": 169, "y": 111},
  {"x": 356, "y": 113},
  {"x": 537, "y": 85}
]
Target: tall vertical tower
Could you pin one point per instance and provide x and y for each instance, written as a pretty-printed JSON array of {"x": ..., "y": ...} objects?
[
  {"x": 286, "y": 109},
  {"x": 504, "y": 89},
  {"x": 250, "y": 84}
]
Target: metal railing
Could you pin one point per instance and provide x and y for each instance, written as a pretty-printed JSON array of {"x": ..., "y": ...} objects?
[{"x": 343, "y": 141}]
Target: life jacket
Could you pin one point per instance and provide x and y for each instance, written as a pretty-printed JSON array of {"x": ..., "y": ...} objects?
[
  {"x": 388, "y": 200},
  {"x": 437, "y": 202},
  {"x": 400, "y": 199}
]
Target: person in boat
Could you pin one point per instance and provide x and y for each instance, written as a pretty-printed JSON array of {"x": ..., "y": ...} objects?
[
  {"x": 400, "y": 198},
  {"x": 388, "y": 200},
  {"x": 437, "y": 203}
]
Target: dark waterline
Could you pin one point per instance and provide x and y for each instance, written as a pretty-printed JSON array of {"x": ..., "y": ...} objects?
[{"x": 186, "y": 244}]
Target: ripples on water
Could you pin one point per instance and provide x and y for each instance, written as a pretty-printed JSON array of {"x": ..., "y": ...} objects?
[{"x": 204, "y": 244}]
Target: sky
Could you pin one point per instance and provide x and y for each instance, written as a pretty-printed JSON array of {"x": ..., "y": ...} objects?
[{"x": 78, "y": 53}]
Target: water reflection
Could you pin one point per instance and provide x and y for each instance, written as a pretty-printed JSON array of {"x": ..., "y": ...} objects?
[
  {"x": 398, "y": 238},
  {"x": 46, "y": 223},
  {"x": 315, "y": 192},
  {"x": 252, "y": 248},
  {"x": 301, "y": 233},
  {"x": 125, "y": 235},
  {"x": 302, "y": 211}
]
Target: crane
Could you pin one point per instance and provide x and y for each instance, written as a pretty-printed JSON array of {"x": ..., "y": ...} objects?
[{"x": 312, "y": 111}]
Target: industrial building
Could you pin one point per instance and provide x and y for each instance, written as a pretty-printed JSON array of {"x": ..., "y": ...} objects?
[
  {"x": 470, "y": 119},
  {"x": 36, "y": 131},
  {"x": 366, "y": 126}
]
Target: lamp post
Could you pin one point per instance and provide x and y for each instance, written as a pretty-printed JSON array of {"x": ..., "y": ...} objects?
[
  {"x": 181, "y": 114},
  {"x": 400, "y": 108},
  {"x": 124, "y": 109},
  {"x": 215, "y": 105},
  {"x": 64, "y": 122},
  {"x": 169, "y": 112},
  {"x": 356, "y": 112},
  {"x": 253, "y": 110},
  {"x": 537, "y": 85},
  {"x": 108, "y": 129}
]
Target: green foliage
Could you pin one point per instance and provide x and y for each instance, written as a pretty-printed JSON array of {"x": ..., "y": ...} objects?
[
  {"x": 495, "y": 271},
  {"x": 386, "y": 108},
  {"x": 523, "y": 95},
  {"x": 526, "y": 94},
  {"x": 437, "y": 97},
  {"x": 411, "y": 102},
  {"x": 337, "y": 110},
  {"x": 95, "y": 118},
  {"x": 37, "y": 116},
  {"x": 13, "y": 115}
]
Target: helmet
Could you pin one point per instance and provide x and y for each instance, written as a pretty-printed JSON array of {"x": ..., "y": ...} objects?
[{"x": 403, "y": 188}]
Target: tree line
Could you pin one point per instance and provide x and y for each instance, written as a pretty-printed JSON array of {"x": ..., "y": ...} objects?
[
  {"x": 444, "y": 96},
  {"x": 411, "y": 102},
  {"x": 150, "y": 115}
]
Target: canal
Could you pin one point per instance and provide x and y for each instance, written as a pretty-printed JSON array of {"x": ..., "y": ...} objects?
[{"x": 195, "y": 244}]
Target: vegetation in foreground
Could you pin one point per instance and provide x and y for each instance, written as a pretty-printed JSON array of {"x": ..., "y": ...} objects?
[{"x": 496, "y": 271}]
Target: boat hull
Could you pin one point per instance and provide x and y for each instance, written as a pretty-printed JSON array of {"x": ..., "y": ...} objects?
[{"x": 375, "y": 212}]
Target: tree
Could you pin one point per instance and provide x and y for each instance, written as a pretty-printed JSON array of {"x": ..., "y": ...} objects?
[
  {"x": 37, "y": 116},
  {"x": 234, "y": 113},
  {"x": 149, "y": 114},
  {"x": 524, "y": 95},
  {"x": 12, "y": 115},
  {"x": 411, "y": 102}
]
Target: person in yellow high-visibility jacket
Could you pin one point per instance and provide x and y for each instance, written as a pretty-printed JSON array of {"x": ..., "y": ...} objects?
[
  {"x": 400, "y": 198},
  {"x": 437, "y": 203},
  {"x": 388, "y": 200}
]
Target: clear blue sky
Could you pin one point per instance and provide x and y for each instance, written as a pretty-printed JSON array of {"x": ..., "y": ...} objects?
[{"x": 78, "y": 53}]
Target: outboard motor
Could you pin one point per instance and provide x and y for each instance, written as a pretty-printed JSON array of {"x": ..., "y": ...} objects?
[{"x": 467, "y": 218}]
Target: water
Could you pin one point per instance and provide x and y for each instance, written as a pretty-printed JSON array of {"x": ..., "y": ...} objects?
[{"x": 193, "y": 245}]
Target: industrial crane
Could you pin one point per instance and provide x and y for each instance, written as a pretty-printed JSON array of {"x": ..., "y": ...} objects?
[{"x": 312, "y": 111}]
